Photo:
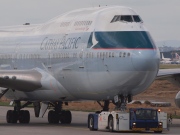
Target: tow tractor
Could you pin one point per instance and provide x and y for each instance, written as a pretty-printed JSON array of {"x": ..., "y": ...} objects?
[{"x": 137, "y": 119}]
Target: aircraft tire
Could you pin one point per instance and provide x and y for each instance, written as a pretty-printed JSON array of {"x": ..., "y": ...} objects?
[
  {"x": 110, "y": 124},
  {"x": 24, "y": 116},
  {"x": 65, "y": 117},
  {"x": 27, "y": 116},
  {"x": 8, "y": 116},
  {"x": 53, "y": 117},
  {"x": 91, "y": 122},
  {"x": 157, "y": 131},
  {"x": 14, "y": 117},
  {"x": 11, "y": 116}
]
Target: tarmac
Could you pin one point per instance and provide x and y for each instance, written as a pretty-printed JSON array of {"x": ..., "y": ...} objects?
[
  {"x": 175, "y": 123},
  {"x": 40, "y": 126}
]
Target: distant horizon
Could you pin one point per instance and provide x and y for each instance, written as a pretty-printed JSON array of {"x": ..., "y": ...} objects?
[{"x": 169, "y": 43}]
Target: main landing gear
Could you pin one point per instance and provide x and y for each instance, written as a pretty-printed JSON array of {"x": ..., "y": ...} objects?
[
  {"x": 23, "y": 116},
  {"x": 120, "y": 101},
  {"x": 105, "y": 107},
  {"x": 58, "y": 115}
]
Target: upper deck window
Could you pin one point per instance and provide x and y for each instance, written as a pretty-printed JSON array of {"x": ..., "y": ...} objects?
[
  {"x": 126, "y": 18},
  {"x": 64, "y": 24},
  {"x": 82, "y": 23},
  {"x": 137, "y": 18}
]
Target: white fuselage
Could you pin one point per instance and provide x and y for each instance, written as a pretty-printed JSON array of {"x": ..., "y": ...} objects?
[{"x": 88, "y": 54}]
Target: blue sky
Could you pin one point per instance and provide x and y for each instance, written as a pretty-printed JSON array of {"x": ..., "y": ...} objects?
[{"x": 161, "y": 17}]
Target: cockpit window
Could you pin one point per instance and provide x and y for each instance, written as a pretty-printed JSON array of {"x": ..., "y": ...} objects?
[
  {"x": 137, "y": 18},
  {"x": 126, "y": 18},
  {"x": 116, "y": 18}
]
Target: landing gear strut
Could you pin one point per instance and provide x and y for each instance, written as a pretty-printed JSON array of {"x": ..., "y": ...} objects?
[
  {"x": 105, "y": 107},
  {"x": 23, "y": 116},
  {"x": 58, "y": 115},
  {"x": 120, "y": 101}
]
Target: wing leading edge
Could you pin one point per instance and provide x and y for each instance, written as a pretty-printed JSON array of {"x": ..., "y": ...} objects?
[{"x": 168, "y": 73}]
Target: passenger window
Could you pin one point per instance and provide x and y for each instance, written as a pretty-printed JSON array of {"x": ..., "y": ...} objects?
[
  {"x": 106, "y": 54},
  {"x": 109, "y": 54},
  {"x": 126, "y": 18},
  {"x": 124, "y": 55},
  {"x": 137, "y": 18},
  {"x": 120, "y": 54},
  {"x": 98, "y": 55}
]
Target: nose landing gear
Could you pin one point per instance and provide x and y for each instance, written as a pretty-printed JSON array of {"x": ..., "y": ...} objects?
[{"x": 120, "y": 101}]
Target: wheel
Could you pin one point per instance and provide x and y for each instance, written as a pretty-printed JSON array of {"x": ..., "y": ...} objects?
[
  {"x": 14, "y": 117},
  {"x": 68, "y": 117},
  {"x": 11, "y": 116},
  {"x": 157, "y": 131},
  {"x": 53, "y": 117},
  {"x": 50, "y": 116},
  {"x": 21, "y": 116},
  {"x": 110, "y": 124},
  {"x": 65, "y": 117},
  {"x": 24, "y": 116},
  {"x": 91, "y": 122}
]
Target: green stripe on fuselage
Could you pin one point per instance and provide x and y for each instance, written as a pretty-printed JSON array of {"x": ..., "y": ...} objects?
[{"x": 122, "y": 39}]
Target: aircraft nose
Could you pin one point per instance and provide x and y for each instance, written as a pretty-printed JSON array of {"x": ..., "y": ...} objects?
[
  {"x": 145, "y": 60},
  {"x": 177, "y": 99}
]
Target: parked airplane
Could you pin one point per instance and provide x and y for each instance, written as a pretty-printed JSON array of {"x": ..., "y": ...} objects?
[
  {"x": 176, "y": 60},
  {"x": 165, "y": 60},
  {"x": 102, "y": 54}
]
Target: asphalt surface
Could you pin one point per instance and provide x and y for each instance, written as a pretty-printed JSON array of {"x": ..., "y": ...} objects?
[{"x": 40, "y": 126}]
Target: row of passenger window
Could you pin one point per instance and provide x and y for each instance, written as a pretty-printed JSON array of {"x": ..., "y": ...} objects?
[
  {"x": 78, "y": 23},
  {"x": 20, "y": 56},
  {"x": 112, "y": 54},
  {"x": 64, "y": 24},
  {"x": 82, "y": 23},
  {"x": 66, "y": 55},
  {"x": 91, "y": 55},
  {"x": 126, "y": 18}
]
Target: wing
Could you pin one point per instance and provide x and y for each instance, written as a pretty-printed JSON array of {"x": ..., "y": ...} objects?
[
  {"x": 22, "y": 80},
  {"x": 173, "y": 75},
  {"x": 168, "y": 73}
]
